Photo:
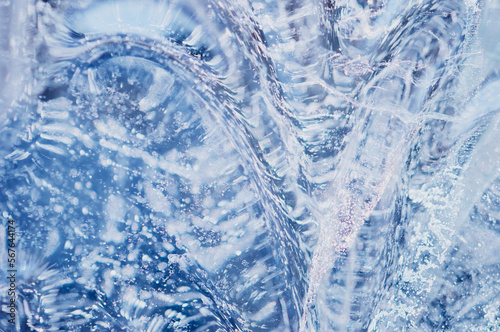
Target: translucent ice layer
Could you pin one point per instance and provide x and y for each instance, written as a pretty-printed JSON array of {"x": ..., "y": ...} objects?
[{"x": 277, "y": 165}]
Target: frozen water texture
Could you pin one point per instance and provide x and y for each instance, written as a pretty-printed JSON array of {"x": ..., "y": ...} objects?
[{"x": 267, "y": 165}]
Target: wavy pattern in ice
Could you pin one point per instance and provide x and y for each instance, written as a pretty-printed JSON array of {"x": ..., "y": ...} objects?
[{"x": 250, "y": 166}]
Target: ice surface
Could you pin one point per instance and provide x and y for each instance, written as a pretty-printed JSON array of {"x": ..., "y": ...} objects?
[{"x": 268, "y": 165}]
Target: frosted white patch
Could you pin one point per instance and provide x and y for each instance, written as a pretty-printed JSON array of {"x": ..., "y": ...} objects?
[
  {"x": 116, "y": 208},
  {"x": 161, "y": 87},
  {"x": 111, "y": 128},
  {"x": 108, "y": 284},
  {"x": 157, "y": 200},
  {"x": 129, "y": 17},
  {"x": 265, "y": 311},
  {"x": 18, "y": 155},
  {"x": 128, "y": 271},
  {"x": 53, "y": 243},
  {"x": 168, "y": 246},
  {"x": 111, "y": 233},
  {"x": 51, "y": 148}
]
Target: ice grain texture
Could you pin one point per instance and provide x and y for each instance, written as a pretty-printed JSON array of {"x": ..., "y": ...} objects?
[{"x": 267, "y": 165}]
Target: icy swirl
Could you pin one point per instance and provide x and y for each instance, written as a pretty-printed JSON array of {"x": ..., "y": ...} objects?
[{"x": 252, "y": 166}]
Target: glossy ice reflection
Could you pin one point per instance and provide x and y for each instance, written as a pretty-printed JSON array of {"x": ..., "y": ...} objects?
[{"x": 252, "y": 166}]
